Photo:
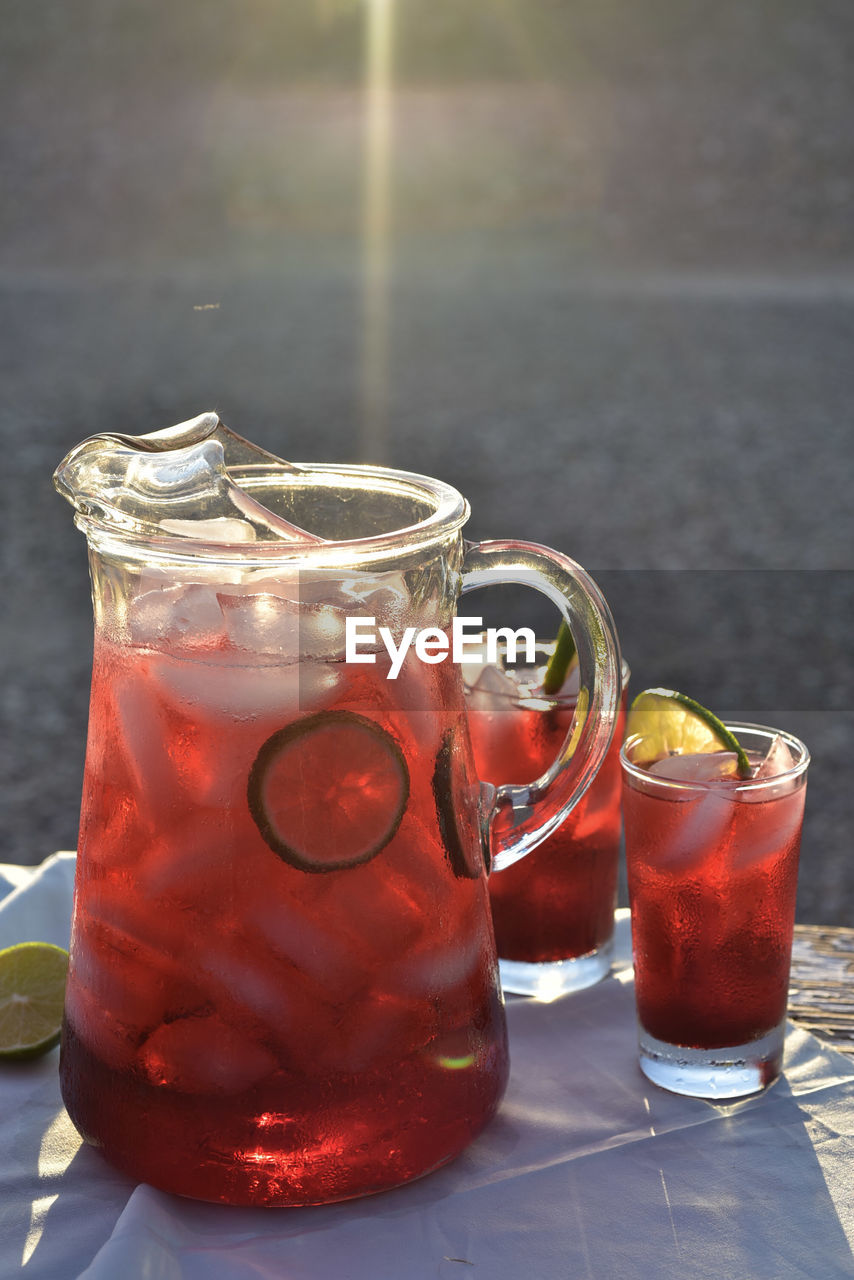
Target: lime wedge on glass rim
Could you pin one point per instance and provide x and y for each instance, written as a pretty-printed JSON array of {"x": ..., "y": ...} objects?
[
  {"x": 665, "y": 723},
  {"x": 32, "y": 991},
  {"x": 561, "y": 662}
]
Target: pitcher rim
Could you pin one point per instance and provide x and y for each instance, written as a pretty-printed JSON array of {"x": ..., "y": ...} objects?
[{"x": 450, "y": 513}]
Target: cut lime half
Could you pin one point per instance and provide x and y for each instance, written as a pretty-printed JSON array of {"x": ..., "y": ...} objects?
[
  {"x": 32, "y": 991},
  {"x": 662, "y": 722},
  {"x": 329, "y": 791}
]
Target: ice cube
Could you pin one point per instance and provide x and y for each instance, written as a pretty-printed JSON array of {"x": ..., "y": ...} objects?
[
  {"x": 204, "y": 1055},
  {"x": 110, "y": 1041},
  {"x": 190, "y": 866},
  {"x": 219, "y": 529},
  {"x": 779, "y": 826},
  {"x": 569, "y": 688},
  {"x": 709, "y": 766},
  {"x": 261, "y": 623},
  {"x": 326, "y": 601},
  {"x": 259, "y": 990},
  {"x": 778, "y": 760},
  {"x": 134, "y": 926},
  {"x": 381, "y": 596},
  {"x": 493, "y": 689},
  {"x": 319, "y": 684},
  {"x": 494, "y": 679},
  {"x": 248, "y": 689},
  {"x": 378, "y": 1030},
  {"x": 144, "y": 735},
  {"x": 388, "y": 604},
  {"x": 436, "y": 965},
  {"x": 122, "y": 976},
  {"x": 572, "y": 683},
  {"x": 321, "y": 631},
  {"x": 271, "y": 623},
  {"x": 187, "y": 611},
  {"x": 411, "y": 706},
  {"x": 473, "y": 667},
  {"x": 237, "y": 974},
  {"x": 415, "y": 688},
  {"x": 701, "y": 827},
  {"x": 778, "y": 763},
  {"x": 303, "y": 939},
  {"x": 129, "y": 986}
]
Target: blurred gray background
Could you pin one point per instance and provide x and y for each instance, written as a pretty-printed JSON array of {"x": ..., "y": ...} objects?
[{"x": 589, "y": 261}]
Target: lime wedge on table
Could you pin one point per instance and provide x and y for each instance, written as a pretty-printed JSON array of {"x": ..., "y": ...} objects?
[
  {"x": 667, "y": 723},
  {"x": 329, "y": 791},
  {"x": 32, "y": 990}
]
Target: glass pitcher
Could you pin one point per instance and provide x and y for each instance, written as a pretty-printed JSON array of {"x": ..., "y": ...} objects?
[{"x": 283, "y": 985}]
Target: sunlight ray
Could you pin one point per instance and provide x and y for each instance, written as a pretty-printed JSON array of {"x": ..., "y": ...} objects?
[{"x": 376, "y": 230}]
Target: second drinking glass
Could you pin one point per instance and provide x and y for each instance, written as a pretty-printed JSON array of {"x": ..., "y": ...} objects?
[{"x": 553, "y": 914}]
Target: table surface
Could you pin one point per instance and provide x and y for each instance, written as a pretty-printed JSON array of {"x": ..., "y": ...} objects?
[
  {"x": 761, "y": 1187},
  {"x": 821, "y": 987}
]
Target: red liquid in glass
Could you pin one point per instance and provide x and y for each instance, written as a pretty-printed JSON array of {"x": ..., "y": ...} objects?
[
  {"x": 238, "y": 1029},
  {"x": 558, "y": 902},
  {"x": 712, "y": 880}
]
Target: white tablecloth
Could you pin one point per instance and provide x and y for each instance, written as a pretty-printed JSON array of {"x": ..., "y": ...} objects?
[{"x": 588, "y": 1170}]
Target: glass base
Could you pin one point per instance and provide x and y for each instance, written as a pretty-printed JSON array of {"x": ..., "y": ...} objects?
[
  {"x": 554, "y": 978},
  {"x": 713, "y": 1073}
]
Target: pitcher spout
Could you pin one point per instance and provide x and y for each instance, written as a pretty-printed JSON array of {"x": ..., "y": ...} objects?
[{"x": 181, "y": 481}]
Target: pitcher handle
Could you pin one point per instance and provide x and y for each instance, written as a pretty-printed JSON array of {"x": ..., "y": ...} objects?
[{"x": 518, "y": 817}]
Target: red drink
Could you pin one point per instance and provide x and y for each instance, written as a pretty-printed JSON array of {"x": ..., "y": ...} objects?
[
  {"x": 244, "y": 1028},
  {"x": 712, "y": 870},
  {"x": 558, "y": 902}
]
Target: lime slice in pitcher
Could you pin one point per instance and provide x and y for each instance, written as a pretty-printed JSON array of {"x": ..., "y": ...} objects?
[
  {"x": 329, "y": 791},
  {"x": 450, "y": 806},
  {"x": 666, "y": 723},
  {"x": 32, "y": 990}
]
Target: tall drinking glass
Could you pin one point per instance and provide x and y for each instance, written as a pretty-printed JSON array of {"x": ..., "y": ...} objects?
[{"x": 712, "y": 869}]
